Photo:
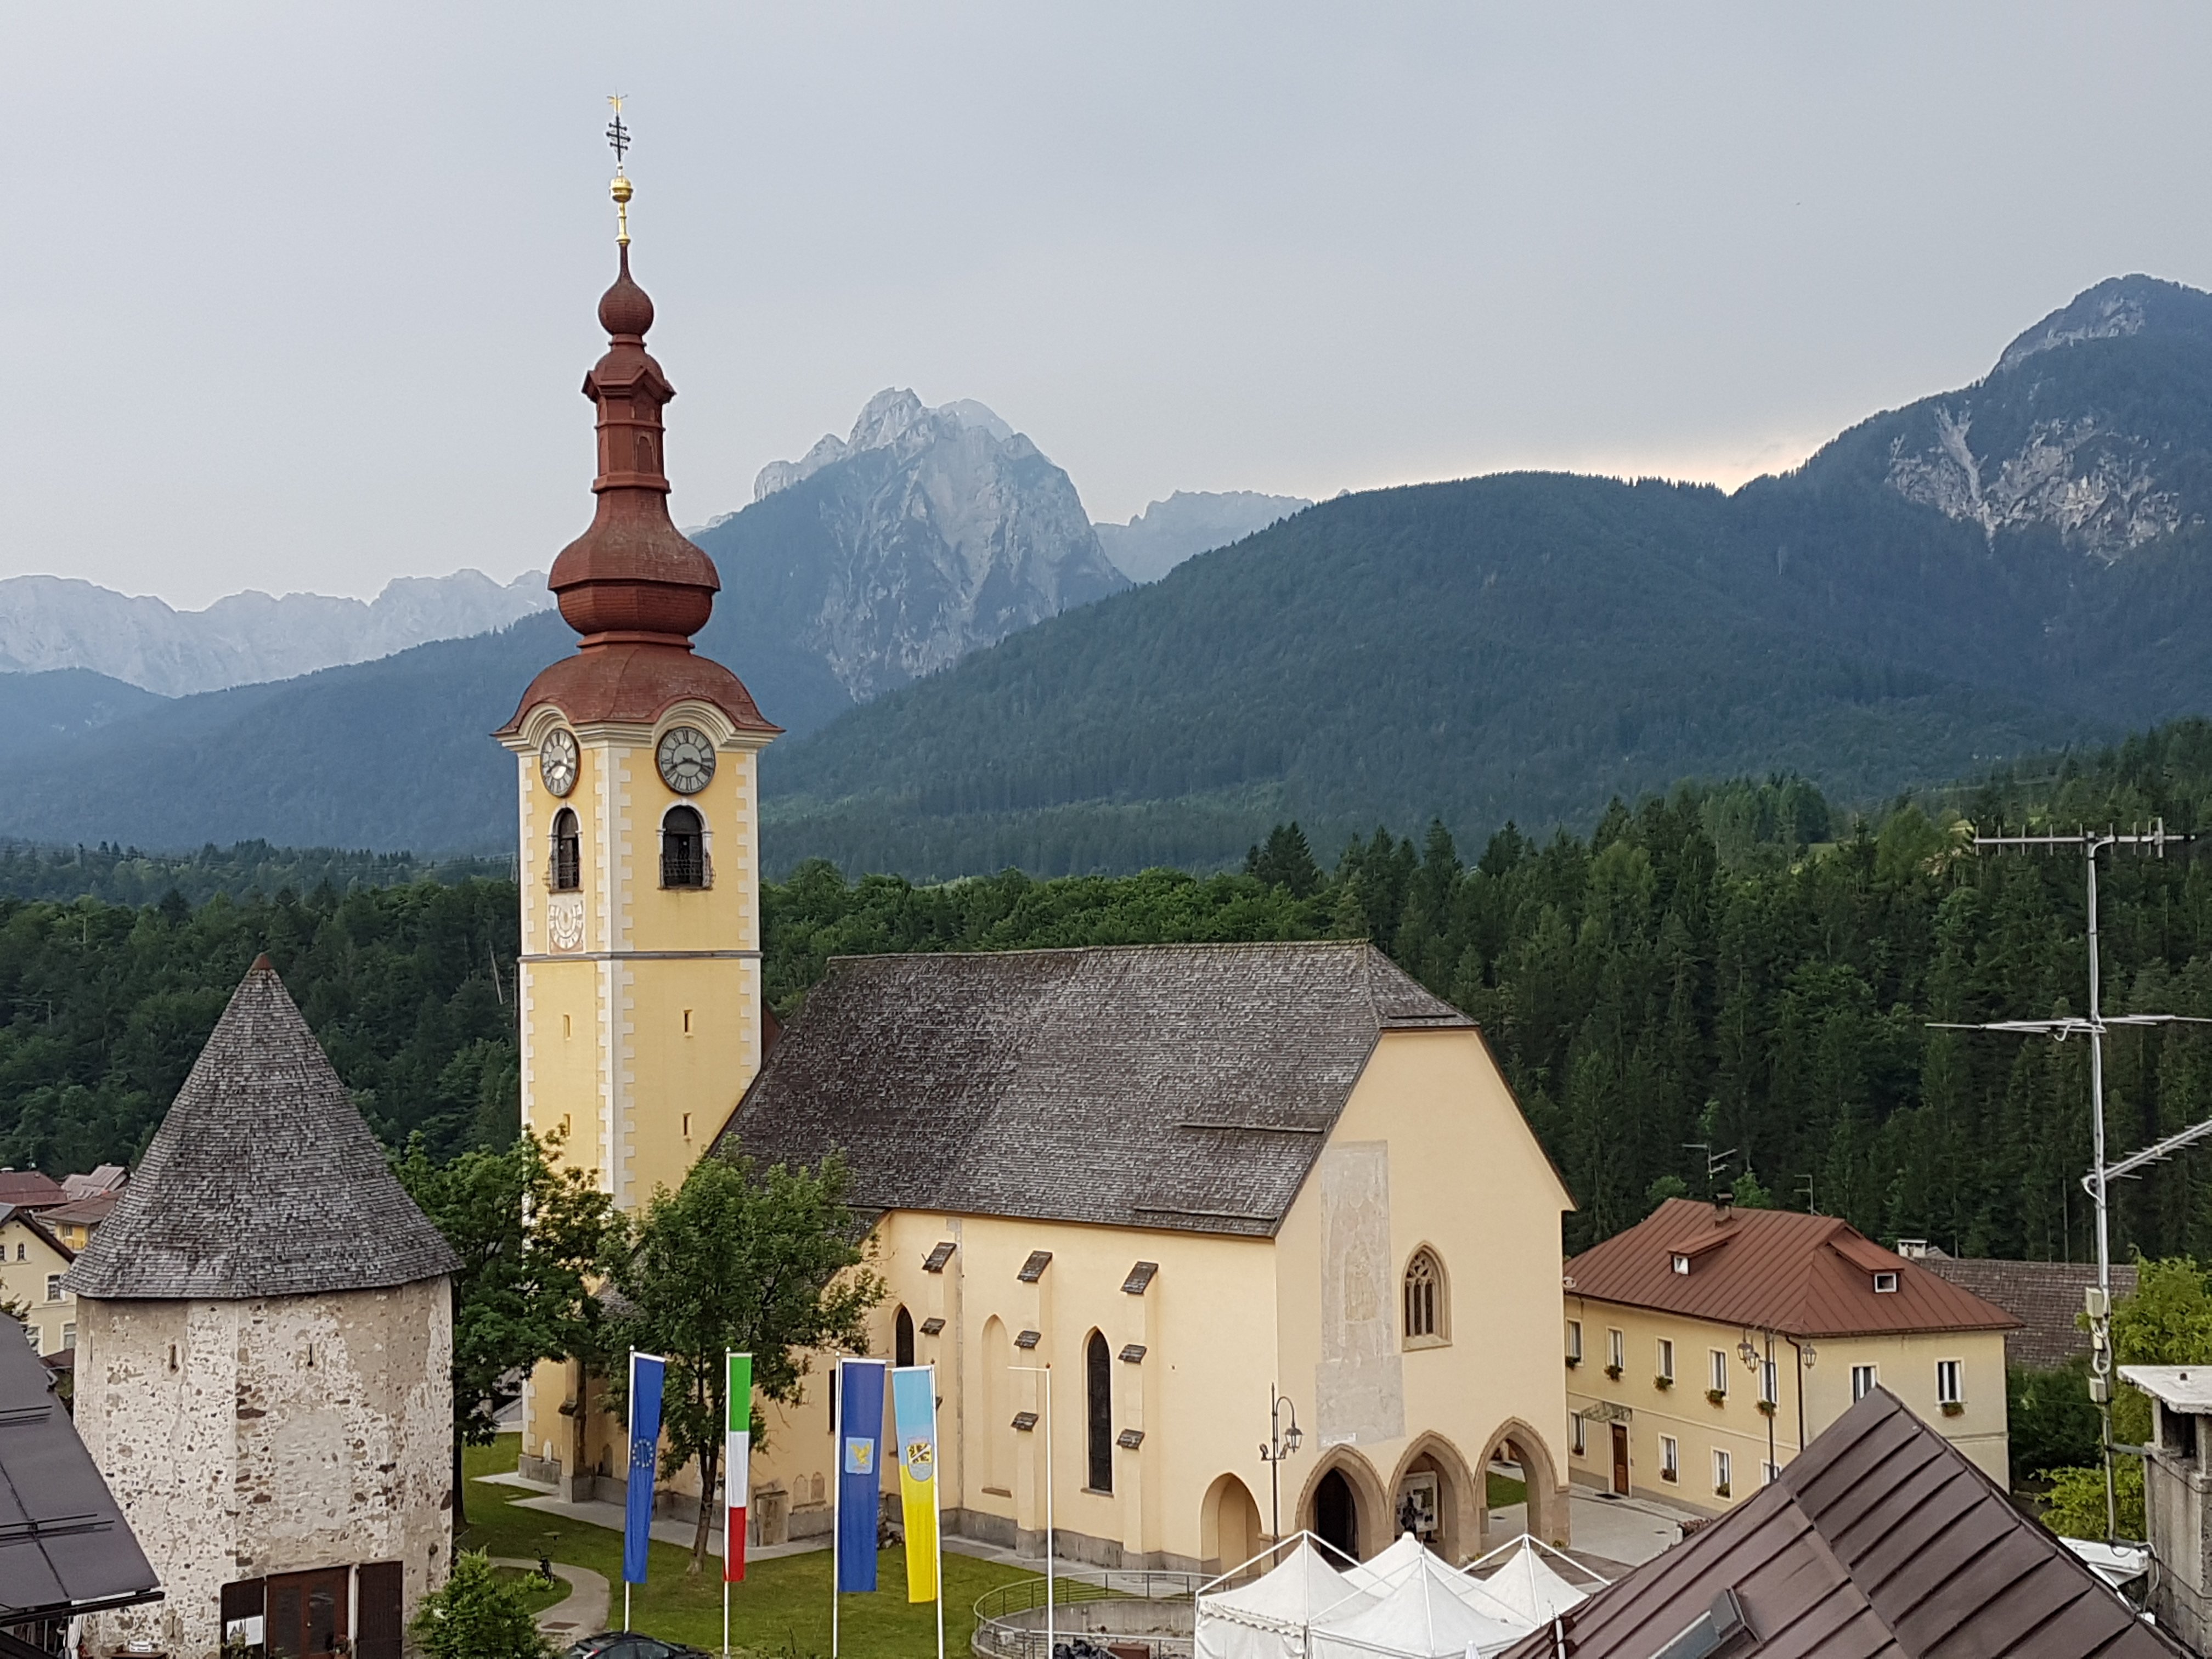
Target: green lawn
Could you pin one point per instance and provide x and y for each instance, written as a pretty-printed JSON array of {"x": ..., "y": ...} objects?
[
  {"x": 1504, "y": 1489},
  {"x": 781, "y": 1609},
  {"x": 537, "y": 1594}
]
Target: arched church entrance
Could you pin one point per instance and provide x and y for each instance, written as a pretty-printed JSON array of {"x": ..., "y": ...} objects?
[
  {"x": 1345, "y": 1504},
  {"x": 1228, "y": 1526},
  {"x": 1522, "y": 1451},
  {"x": 1336, "y": 1513},
  {"x": 1433, "y": 1498}
]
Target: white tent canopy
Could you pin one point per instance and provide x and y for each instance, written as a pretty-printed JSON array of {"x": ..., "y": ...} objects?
[
  {"x": 1379, "y": 1574},
  {"x": 1429, "y": 1612},
  {"x": 1404, "y": 1604},
  {"x": 1527, "y": 1584},
  {"x": 1271, "y": 1618}
]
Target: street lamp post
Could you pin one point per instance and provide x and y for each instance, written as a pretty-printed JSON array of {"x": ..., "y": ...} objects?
[
  {"x": 1050, "y": 1549},
  {"x": 1281, "y": 1442}
]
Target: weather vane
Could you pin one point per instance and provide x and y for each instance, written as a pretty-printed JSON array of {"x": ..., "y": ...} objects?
[{"x": 619, "y": 141}]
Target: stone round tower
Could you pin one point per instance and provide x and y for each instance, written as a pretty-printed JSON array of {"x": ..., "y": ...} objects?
[{"x": 264, "y": 1344}]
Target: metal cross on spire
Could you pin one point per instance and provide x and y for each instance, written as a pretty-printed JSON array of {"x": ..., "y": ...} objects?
[
  {"x": 619, "y": 141},
  {"x": 617, "y": 134},
  {"x": 2153, "y": 842}
]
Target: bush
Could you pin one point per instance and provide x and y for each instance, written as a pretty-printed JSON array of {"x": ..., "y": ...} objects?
[
  {"x": 2076, "y": 1508},
  {"x": 2050, "y": 1420},
  {"x": 478, "y": 1616}
]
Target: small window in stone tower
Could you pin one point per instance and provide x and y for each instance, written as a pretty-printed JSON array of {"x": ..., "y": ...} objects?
[
  {"x": 683, "y": 848},
  {"x": 567, "y": 853},
  {"x": 1425, "y": 1311}
]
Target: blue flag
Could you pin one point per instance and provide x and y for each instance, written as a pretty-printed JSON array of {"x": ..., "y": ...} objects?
[
  {"x": 646, "y": 1372},
  {"x": 859, "y": 1470}
]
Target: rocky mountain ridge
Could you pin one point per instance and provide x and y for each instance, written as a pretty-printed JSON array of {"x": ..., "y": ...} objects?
[
  {"x": 53, "y": 623},
  {"x": 2105, "y": 477},
  {"x": 923, "y": 535}
]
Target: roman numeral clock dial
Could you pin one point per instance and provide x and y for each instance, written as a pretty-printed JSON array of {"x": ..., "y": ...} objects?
[
  {"x": 686, "y": 757},
  {"x": 556, "y": 761}
]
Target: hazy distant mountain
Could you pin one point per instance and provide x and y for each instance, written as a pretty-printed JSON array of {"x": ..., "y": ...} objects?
[
  {"x": 2020, "y": 564},
  {"x": 50, "y": 622},
  {"x": 1190, "y": 521},
  {"x": 896, "y": 552}
]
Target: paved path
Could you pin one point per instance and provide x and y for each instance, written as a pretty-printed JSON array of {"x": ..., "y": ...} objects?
[{"x": 585, "y": 1611}]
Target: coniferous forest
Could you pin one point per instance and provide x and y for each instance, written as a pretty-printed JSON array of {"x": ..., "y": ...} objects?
[{"x": 1732, "y": 969}]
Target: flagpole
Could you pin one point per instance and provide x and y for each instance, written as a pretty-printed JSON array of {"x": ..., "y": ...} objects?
[
  {"x": 836, "y": 1502},
  {"x": 937, "y": 1500}
]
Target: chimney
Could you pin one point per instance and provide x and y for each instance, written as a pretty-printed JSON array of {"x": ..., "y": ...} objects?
[{"x": 1723, "y": 1204}]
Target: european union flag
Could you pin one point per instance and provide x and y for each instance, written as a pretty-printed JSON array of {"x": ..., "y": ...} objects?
[{"x": 646, "y": 1372}]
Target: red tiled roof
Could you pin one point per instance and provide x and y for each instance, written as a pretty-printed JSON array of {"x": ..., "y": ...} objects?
[
  {"x": 1878, "y": 1541},
  {"x": 29, "y": 1190},
  {"x": 1776, "y": 1270},
  {"x": 2046, "y": 1297}
]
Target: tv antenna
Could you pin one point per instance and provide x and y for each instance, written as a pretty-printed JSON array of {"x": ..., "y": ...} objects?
[{"x": 2149, "y": 842}]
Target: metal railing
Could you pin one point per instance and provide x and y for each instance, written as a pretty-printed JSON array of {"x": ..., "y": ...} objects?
[{"x": 1010, "y": 1623}]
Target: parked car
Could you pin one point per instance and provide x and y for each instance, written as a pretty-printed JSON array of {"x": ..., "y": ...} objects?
[{"x": 629, "y": 1644}]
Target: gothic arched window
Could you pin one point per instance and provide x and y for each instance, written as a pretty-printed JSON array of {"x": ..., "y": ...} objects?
[
  {"x": 683, "y": 848},
  {"x": 1428, "y": 1311},
  {"x": 1098, "y": 1411},
  {"x": 567, "y": 853},
  {"x": 903, "y": 1339}
]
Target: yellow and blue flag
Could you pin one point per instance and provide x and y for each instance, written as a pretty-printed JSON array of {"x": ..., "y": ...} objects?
[{"x": 914, "y": 1420}]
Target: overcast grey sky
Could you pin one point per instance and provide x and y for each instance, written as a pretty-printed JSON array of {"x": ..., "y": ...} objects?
[{"x": 300, "y": 297}]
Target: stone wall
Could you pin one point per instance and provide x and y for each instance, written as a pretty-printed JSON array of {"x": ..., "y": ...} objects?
[{"x": 248, "y": 1438}]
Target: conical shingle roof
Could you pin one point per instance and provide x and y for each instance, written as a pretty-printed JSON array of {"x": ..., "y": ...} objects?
[{"x": 263, "y": 1179}]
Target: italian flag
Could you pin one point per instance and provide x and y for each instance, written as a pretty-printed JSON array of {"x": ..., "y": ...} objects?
[{"x": 737, "y": 1465}]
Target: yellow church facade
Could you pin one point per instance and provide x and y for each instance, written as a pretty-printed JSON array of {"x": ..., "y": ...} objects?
[{"x": 1188, "y": 1179}]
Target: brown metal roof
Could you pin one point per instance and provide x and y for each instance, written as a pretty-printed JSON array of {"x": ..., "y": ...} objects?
[
  {"x": 2046, "y": 1297},
  {"x": 1776, "y": 1270},
  {"x": 1880, "y": 1541},
  {"x": 63, "y": 1543},
  {"x": 30, "y": 1190}
]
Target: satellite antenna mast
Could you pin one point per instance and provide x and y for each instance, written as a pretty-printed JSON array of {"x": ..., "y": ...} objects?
[{"x": 2151, "y": 843}]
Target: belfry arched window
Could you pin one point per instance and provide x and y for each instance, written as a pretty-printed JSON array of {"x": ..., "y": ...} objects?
[
  {"x": 1427, "y": 1307},
  {"x": 1098, "y": 1411},
  {"x": 567, "y": 853},
  {"x": 683, "y": 848}
]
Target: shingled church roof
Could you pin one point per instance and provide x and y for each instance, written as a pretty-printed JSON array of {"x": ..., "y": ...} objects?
[
  {"x": 1181, "y": 1086},
  {"x": 263, "y": 1179}
]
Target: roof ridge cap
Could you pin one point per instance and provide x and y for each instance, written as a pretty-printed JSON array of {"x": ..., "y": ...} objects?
[{"x": 1194, "y": 945}]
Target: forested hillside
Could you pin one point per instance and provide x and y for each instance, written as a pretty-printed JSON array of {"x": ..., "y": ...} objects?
[{"x": 1726, "y": 966}]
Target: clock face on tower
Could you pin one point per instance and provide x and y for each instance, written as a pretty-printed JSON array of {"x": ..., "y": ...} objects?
[
  {"x": 686, "y": 758},
  {"x": 556, "y": 761}
]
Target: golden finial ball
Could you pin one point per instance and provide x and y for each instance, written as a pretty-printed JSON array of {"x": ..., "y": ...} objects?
[{"x": 620, "y": 190}]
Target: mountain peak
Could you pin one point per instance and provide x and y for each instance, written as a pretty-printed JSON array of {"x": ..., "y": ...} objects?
[
  {"x": 2114, "y": 308},
  {"x": 895, "y": 419}
]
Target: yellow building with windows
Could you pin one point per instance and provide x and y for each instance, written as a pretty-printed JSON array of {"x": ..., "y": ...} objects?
[
  {"x": 1706, "y": 1346},
  {"x": 31, "y": 1263}
]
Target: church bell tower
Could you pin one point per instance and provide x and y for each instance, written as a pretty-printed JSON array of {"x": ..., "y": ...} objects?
[{"x": 640, "y": 983}]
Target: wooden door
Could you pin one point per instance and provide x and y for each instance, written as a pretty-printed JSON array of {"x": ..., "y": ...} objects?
[
  {"x": 307, "y": 1614},
  {"x": 381, "y": 1632},
  {"x": 1620, "y": 1458}
]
